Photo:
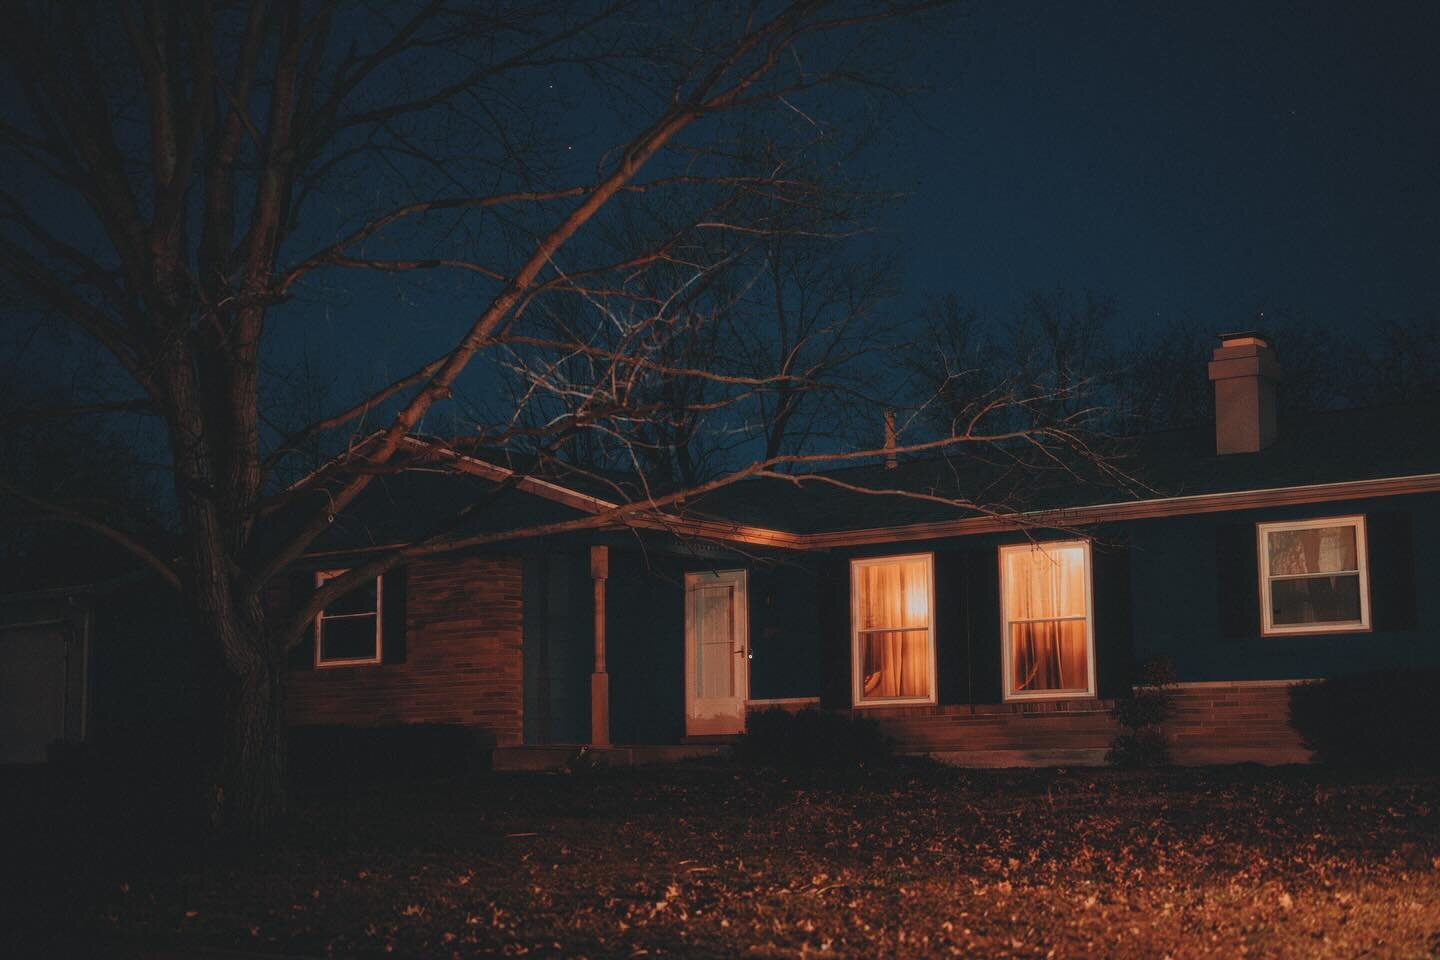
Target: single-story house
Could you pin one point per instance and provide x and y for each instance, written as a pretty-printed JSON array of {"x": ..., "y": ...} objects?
[{"x": 1253, "y": 555}]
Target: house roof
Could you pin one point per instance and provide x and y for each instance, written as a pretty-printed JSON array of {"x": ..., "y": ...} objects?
[
  {"x": 425, "y": 501},
  {"x": 1323, "y": 448},
  {"x": 1336, "y": 447}
]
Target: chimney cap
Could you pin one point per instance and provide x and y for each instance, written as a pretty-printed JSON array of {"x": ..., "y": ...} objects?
[{"x": 1245, "y": 338}]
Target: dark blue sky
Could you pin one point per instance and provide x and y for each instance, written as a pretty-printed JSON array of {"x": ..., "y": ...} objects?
[{"x": 1197, "y": 161}]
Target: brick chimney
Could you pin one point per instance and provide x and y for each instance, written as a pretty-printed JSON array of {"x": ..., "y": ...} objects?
[{"x": 1245, "y": 373}]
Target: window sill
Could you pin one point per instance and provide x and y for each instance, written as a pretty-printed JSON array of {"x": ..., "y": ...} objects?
[
  {"x": 1050, "y": 697},
  {"x": 907, "y": 702},
  {"x": 1318, "y": 630}
]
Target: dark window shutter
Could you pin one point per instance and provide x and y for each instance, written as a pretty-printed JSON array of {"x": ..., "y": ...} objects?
[
  {"x": 296, "y": 591},
  {"x": 1392, "y": 570},
  {"x": 1237, "y": 579},
  {"x": 835, "y": 632},
  {"x": 1114, "y": 630},
  {"x": 392, "y": 626},
  {"x": 951, "y": 657},
  {"x": 982, "y": 635}
]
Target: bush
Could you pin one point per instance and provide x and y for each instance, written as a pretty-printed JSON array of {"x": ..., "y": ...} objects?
[
  {"x": 813, "y": 739},
  {"x": 341, "y": 756},
  {"x": 1381, "y": 719},
  {"x": 1142, "y": 742}
]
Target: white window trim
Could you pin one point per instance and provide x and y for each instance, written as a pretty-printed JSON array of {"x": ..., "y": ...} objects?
[
  {"x": 320, "y": 577},
  {"x": 1362, "y": 560},
  {"x": 1006, "y": 661},
  {"x": 857, "y": 680}
]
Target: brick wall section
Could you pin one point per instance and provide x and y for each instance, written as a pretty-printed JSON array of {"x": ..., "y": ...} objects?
[
  {"x": 1235, "y": 723},
  {"x": 463, "y": 660},
  {"x": 1212, "y": 723}
]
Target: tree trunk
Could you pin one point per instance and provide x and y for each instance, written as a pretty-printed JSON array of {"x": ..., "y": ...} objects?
[{"x": 252, "y": 793}]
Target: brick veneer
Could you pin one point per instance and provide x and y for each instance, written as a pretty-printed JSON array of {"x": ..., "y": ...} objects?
[
  {"x": 1212, "y": 723},
  {"x": 463, "y": 660}
]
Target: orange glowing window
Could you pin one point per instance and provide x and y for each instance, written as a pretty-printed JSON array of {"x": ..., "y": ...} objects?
[
  {"x": 1048, "y": 645},
  {"x": 893, "y": 639}
]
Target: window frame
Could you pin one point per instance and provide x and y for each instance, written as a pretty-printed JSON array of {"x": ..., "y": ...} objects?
[
  {"x": 857, "y": 680},
  {"x": 321, "y": 663},
  {"x": 1007, "y": 669},
  {"x": 1362, "y": 561}
]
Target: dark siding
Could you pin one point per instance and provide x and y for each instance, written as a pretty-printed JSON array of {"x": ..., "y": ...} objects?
[
  {"x": 392, "y": 607},
  {"x": 1184, "y": 577},
  {"x": 784, "y": 634},
  {"x": 1114, "y": 653},
  {"x": 834, "y": 616},
  {"x": 645, "y": 647}
]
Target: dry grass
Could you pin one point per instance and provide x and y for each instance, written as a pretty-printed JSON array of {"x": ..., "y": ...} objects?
[{"x": 724, "y": 862}]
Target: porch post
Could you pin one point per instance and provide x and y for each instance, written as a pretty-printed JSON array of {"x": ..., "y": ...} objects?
[{"x": 599, "y": 680}]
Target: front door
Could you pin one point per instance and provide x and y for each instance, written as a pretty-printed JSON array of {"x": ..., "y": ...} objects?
[{"x": 717, "y": 638}]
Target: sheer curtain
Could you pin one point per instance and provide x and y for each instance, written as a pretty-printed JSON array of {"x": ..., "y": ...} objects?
[
  {"x": 1045, "y": 608},
  {"x": 1315, "y": 575},
  {"x": 893, "y": 607}
]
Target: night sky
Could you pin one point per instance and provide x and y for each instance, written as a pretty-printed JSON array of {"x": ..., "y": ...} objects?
[
  {"x": 1197, "y": 164},
  {"x": 1196, "y": 161}
]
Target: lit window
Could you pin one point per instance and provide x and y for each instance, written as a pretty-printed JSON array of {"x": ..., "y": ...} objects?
[
  {"x": 1313, "y": 577},
  {"x": 348, "y": 629},
  {"x": 893, "y": 643},
  {"x": 1049, "y": 639}
]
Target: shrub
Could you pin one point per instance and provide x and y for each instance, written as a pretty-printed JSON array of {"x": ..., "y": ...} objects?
[
  {"x": 1142, "y": 742},
  {"x": 1380, "y": 719},
  {"x": 813, "y": 739},
  {"x": 341, "y": 756}
]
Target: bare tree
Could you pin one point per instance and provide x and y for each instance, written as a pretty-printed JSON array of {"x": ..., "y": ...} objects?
[{"x": 196, "y": 176}]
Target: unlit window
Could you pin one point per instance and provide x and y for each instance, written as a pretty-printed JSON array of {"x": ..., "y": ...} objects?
[
  {"x": 1313, "y": 577},
  {"x": 348, "y": 629}
]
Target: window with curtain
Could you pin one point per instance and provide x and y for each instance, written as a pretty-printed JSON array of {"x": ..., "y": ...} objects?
[
  {"x": 1313, "y": 576},
  {"x": 348, "y": 629},
  {"x": 1048, "y": 635},
  {"x": 893, "y": 641}
]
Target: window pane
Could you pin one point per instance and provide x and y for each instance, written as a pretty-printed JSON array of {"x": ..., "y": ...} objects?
[
  {"x": 895, "y": 594},
  {"x": 360, "y": 600},
  {"x": 1315, "y": 600},
  {"x": 895, "y": 664},
  {"x": 715, "y": 632},
  {"x": 1320, "y": 550},
  {"x": 348, "y": 638},
  {"x": 1049, "y": 656},
  {"x": 1045, "y": 581}
]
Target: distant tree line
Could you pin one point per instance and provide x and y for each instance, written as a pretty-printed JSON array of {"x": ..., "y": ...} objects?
[{"x": 1072, "y": 357}]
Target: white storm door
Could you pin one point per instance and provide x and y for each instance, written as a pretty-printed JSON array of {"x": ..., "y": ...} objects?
[{"x": 717, "y": 639}]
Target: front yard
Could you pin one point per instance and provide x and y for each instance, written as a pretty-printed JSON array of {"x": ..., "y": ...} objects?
[{"x": 720, "y": 861}]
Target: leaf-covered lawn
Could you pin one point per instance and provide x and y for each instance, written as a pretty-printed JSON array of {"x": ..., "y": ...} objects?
[{"x": 719, "y": 861}]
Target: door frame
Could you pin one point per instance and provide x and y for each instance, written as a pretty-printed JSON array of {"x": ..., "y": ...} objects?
[{"x": 696, "y": 726}]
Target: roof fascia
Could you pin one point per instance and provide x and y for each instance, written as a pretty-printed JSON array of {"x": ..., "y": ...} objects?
[{"x": 968, "y": 526}]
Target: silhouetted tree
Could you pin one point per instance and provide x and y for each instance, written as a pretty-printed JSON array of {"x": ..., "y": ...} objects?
[{"x": 189, "y": 176}]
